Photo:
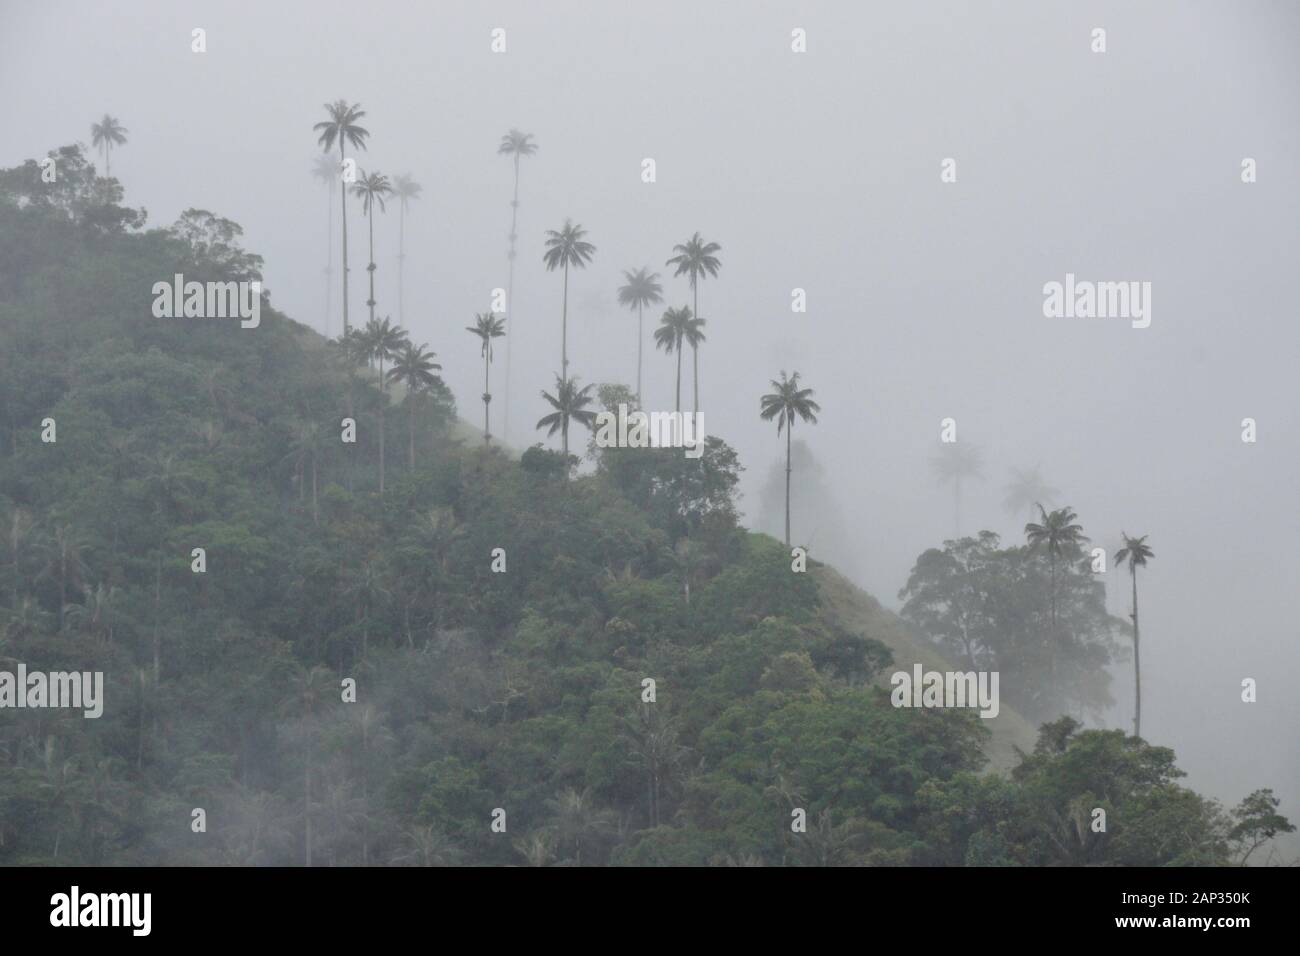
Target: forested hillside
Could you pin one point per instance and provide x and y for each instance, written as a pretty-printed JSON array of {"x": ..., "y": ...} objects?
[{"x": 499, "y": 614}]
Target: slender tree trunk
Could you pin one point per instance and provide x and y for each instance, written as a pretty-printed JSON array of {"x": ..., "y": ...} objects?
[
  {"x": 564, "y": 329},
  {"x": 510, "y": 297},
  {"x": 383, "y": 402},
  {"x": 343, "y": 204},
  {"x": 315, "y": 510},
  {"x": 1137, "y": 662},
  {"x": 640, "y": 334},
  {"x": 1051, "y": 665},
  {"x": 329, "y": 259},
  {"x": 410, "y": 430},
  {"x": 401, "y": 256},
  {"x": 788, "y": 431},
  {"x": 679, "y": 374},
  {"x": 695, "y": 351},
  {"x": 371, "y": 267},
  {"x": 487, "y": 396}
]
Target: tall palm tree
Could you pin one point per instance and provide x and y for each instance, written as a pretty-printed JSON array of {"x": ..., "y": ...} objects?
[
  {"x": 487, "y": 326},
  {"x": 106, "y": 134},
  {"x": 1135, "y": 552},
  {"x": 343, "y": 127},
  {"x": 413, "y": 366},
  {"x": 1058, "y": 533},
  {"x": 955, "y": 463},
  {"x": 407, "y": 190},
  {"x": 372, "y": 189},
  {"x": 570, "y": 403},
  {"x": 385, "y": 340},
  {"x": 640, "y": 288},
  {"x": 670, "y": 335},
  {"x": 516, "y": 145},
  {"x": 696, "y": 258},
  {"x": 787, "y": 403},
  {"x": 563, "y": 249},
  {"x": 1026, "y": 488},
  {"x": 327, "y": 171}
]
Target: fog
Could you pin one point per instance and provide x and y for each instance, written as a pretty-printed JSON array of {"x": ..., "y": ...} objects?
[{"x": 818, "y": 171}]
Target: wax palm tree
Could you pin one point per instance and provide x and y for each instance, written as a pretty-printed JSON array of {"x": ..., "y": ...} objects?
[
  {"x": 1059, "y": 535},
  {"x": 640, "y": 288},
  {"x": 570, "y": 404},
  {"x": 407, "y": 190},
  {"x": 785, "y": 404},
  {"x": 669, "y": 336},
  {"x": 564, "y": 249},
  {"x": 516, "y": 145},
  {"x": 372, "y": 189},
  {"x": 104, "y": 135},
  {"x": 65, "y": 549},
  {"x": 1135, "y": 552},
  {"x": 955, "y": 463},
  {"x": 696, "y": 258},
  {"x": 307, "y": 447},
  {"x": 487, "y": 326},
  {"x": 1025, "y": 490},
  {"x": 343, "y": 127},
  {"x": 327, "y": 171},
  {"x": 385, "y": 340},
  {"x": 413, "y": 366}
]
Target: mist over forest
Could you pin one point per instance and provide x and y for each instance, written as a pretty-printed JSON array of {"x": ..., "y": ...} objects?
[{"x": 878, "y": 212}]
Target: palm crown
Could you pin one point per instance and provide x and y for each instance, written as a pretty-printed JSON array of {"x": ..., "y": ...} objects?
[
  {"x": 326, "y": 170},
  {"x": 695, "y": 258},
  {"x": 1027, "y": 488},
  {"x": 342, "y": 126},
  {"x": 413, "y": 366},
  {"x": 788, "y": 402},
  {"x": 1056, "y": 532},
  {"x": 674, "y": 327},
  {"x": 108, "y": 131},
  {"x": 371, "y": 189},
  {"x": 641, "y": 288},
  {"x": 487, "y": 326},
  {"x": 515, "y": 143},
  {"x": 406, "y": 189},
  {"x": 1135, "y": 552},
  {"x": 567, "y": 247}
]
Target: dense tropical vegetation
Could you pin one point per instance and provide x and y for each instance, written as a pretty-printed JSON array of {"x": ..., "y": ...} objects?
[{"x": 501, "y": 617}]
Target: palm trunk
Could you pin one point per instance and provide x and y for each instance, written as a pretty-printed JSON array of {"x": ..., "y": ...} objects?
[
  {"x": 371, "y": 267},
  {"x": 343, "y": 204},
  {"x": 487, "y": 397},
  {"x": 329, "y": 259},
  {"x": 640, "y": 334},
  {"x": 315, "y": 510},
  {"x": 679, "y": 374},
  {"x": 63, "y": 585},
  {"x": 564, "y": 329},
  {"x": 401, "y": 255},
  {"x": 788, "y": 431},
  {"x": 410, "y": 430},
  {"x": 695, "y": 350},
  {"x": 1051, "y": 661},
  {"x": 383, "y": 401},
  {"x": 510, "y": 297},
  {"x": 1137, "y": 663}
]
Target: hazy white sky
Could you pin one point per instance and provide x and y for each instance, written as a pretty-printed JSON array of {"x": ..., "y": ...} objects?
[{"x": 819, "y": 171}]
